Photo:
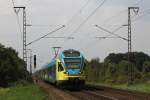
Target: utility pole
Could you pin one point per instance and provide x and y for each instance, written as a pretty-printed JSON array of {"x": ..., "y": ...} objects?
[
  {"x": 130, "y": 67},
  {"x": 24, "y": 34}
]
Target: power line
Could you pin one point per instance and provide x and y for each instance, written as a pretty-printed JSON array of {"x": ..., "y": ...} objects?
[
  {"x": 103, "y": 37},
  {"x": 44, "y": 25},
  {"x": 123, "y": 26},
  {"x": 46, "y": 35},
  {"x": 78, "y": 12},
  {"x": 89, "y": 17},
  {"x": 101, "y": 4},
  {"x": 108, "y": 36},
  {"x": 140, "y": 1},
  {"x": 115, "y": 30},
  {"x": 114, "y": 16},
  {"x": 60, "y": 37}
]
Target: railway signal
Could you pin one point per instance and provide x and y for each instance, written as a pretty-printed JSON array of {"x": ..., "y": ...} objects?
[
  {"x": 34, "y": 61},
  {"x": 30, "y": 57}
]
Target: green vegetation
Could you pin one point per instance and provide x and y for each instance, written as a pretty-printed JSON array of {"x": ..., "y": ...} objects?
[
  {"x": 19, "y": 92},
  {"x": 12, "y": 68},
  {"x": 15, "y": 79},
  {"x": 114, "y": 71}
]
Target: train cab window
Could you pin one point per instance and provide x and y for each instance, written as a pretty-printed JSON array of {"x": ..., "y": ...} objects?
[{"x": 60, "y": 67}]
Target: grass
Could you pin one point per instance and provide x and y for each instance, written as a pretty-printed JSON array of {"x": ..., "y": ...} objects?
[
  {"x": 141, "y": 87},
  {"x": 29, "y": 92}
]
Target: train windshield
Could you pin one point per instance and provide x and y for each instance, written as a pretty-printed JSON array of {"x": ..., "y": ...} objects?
[
  {"x": 71, "y": 53},
  {"x": 72, "y": 63}
]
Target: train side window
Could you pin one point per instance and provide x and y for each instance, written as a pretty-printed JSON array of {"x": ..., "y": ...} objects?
[{"x": 60, "y": 67}]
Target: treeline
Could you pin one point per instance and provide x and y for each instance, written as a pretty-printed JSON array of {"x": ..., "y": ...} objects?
[
  {"x": 115, "y": 69},
  {"x": 12, "y": 68}
]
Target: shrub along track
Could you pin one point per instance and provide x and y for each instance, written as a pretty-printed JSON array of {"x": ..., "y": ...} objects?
[{"x": 90, "y": 93}]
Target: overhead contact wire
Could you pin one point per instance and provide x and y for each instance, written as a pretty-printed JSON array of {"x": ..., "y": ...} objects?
[{"x": 89, "y": 17}]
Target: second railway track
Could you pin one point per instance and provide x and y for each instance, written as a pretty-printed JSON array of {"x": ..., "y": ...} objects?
[{"x": 91, "y": 93}]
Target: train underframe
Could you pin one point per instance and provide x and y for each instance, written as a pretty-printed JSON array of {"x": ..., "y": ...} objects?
[{"x": 72, "y": 83}]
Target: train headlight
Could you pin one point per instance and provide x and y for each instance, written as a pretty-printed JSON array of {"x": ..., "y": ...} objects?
[
  {"x": 80, "y": 72},
  {"x": 66, "y": 73}
]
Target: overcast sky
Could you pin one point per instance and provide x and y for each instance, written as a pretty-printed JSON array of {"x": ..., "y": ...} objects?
[{"x": 47, "y": 15}]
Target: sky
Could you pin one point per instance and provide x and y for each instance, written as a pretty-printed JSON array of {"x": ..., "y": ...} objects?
[{"x": 79, "y": 18}]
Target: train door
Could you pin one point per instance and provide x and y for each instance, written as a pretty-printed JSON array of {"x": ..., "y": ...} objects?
[{"x": 60, "y": 71}]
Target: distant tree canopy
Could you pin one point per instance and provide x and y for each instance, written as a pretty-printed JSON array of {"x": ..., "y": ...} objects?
[
  {"x": 137, "y": 58},
  {"x": 12, "y": 68},
  {"x": 115, "y": 69}
]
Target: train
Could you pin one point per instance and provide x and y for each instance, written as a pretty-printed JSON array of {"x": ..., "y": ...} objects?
[{"x": 68, "y": 69}]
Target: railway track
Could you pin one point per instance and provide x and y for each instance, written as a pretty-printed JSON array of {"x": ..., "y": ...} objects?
[
  {"x": 90, "y": 93},
  {"x": 120, "y": 94}
]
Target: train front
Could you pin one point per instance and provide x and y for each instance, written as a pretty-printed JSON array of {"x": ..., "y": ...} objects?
[{"x": 74, "y": 63}]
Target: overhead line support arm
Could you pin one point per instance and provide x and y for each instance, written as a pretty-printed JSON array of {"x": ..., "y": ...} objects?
[{"x": 111, "y": 32}]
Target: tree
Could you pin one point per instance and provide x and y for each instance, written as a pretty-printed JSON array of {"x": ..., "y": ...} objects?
[
  {"x": 115, "y": 58},
  {"x": 137, "y": 58},
  {"x": 12, "y": 68}
]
